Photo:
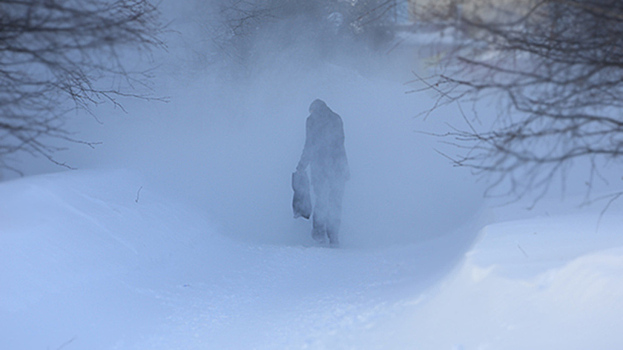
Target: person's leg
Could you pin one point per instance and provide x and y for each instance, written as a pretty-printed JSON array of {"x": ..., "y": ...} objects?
[
  {"x": 319, "y": 230},
  {"x": 321, "y": 213},
  {"x": 332, "y": 231},
  {"x": 334, "y": 213}
]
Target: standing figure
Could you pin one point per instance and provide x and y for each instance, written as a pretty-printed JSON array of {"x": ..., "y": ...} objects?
[{"x": 324, "y": 152}]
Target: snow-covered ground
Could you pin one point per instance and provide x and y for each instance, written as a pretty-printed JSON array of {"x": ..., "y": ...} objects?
[
  {"x": 178, "y": 234},
  {"x": 98, "y": 260},
  {"x": 95, "y": 257}
]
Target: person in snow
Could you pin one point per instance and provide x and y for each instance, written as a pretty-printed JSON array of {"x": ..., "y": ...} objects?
[{"x": 324, "y": 152}]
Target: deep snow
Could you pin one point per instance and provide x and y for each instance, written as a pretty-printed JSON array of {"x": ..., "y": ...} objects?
[
  {"x": 95, "y": 257},
  {"x": 99, "y": 260}
]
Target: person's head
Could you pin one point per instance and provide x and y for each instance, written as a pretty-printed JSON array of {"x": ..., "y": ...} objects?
[{"x": 317, "y": 105}]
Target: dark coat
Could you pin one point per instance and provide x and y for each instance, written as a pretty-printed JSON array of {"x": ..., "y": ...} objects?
[{"x": 324, "y": 146}]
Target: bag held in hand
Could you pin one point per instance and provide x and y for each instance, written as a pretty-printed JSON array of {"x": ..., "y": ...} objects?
[{"x": 301, "y": 202}]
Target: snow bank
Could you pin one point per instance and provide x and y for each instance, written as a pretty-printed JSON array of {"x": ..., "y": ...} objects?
[
  {"x": 545, "y": 294},
  {"x": 100, "y": 260},
  {"x": 73, "y": 245},
  {"x": 542, "y": 283}
]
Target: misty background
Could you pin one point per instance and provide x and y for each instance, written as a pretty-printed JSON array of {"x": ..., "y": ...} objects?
[
  {"x": 229, "y": 142},
  {"x": 224, "y": 124}
]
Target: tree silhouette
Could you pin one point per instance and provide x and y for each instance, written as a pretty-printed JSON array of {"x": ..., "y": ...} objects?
[
  {"x": 58, "y": 55},
  {"x": 557, "y": 67}
]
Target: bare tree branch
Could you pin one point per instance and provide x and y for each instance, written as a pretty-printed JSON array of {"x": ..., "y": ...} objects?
[
  {"x": 59, "y": 55},
  {"x": 244, "y": 28},
  {"x": 557, "y": 65}
]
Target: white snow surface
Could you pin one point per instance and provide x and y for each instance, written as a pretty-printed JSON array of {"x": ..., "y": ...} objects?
[{"x": 100, "y": 260}]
